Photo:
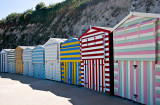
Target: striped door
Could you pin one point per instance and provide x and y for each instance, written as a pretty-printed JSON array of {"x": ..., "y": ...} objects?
[
  {"x": 30, "y": 68},
  {"x": 48, "y": 70},
  {"x": 35, "y": 70},
  {"x": 11, "y": 67},
  {"x": 135, "y": 80},
  {"x": 16, "y": 67},
  {"x": 38, "y": 70},
  {"x": 157, "y": 84},
  {"x": 3, "y": 62},
  {"x": 19, "y": 67},
  {"x": 26, "y": 68},
  {"x": 71, "y": 72},
  {"x": 41, "y": 71},
  {"x": 94, "y": 74},
  {"x": 52, "y": 68}
]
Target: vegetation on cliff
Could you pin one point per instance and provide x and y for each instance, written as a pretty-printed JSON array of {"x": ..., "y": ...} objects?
[{"x": 69, "y": 18}]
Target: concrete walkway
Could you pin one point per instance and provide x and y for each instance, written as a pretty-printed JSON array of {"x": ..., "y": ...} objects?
[{"x": 22, "y": 90}]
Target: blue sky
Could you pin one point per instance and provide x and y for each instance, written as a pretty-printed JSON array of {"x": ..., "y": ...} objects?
[{"x": 19, "y": 6}]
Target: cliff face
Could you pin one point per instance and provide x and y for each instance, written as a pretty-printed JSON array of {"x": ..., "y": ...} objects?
[{"x": 71, "y": 21}]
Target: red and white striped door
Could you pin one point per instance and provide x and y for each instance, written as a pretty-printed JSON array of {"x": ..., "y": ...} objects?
[{"x": 94, "y": 74}]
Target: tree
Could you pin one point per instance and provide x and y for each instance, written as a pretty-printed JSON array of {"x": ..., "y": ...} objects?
[
  {"x": 27, "y": 14},
  {"x": 40, "y": 5},
  {"x": 13, "y": 17}
]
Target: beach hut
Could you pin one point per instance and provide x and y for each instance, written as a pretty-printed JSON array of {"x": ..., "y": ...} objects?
[
  {"x": 10, "y": 60},
  {"x": 4, "y": 61},
  {"x": 27, "y": 61},
  {"x": 96, "y": 46},
  {"x": 137, "y": 58},
  {"x": 70, "y": 61},
  {"x": 7, "y": 61},
  {"x": 52, "y": 59},
  {"x": 18, "y": 59},
  {"x": 38, "y": 62}
]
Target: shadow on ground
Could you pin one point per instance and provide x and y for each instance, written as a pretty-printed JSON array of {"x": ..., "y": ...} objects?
[{"x": 78, "y": 95}]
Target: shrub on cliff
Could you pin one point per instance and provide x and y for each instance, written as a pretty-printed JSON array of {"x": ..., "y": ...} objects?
[{"x": 40, "y": 5}]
